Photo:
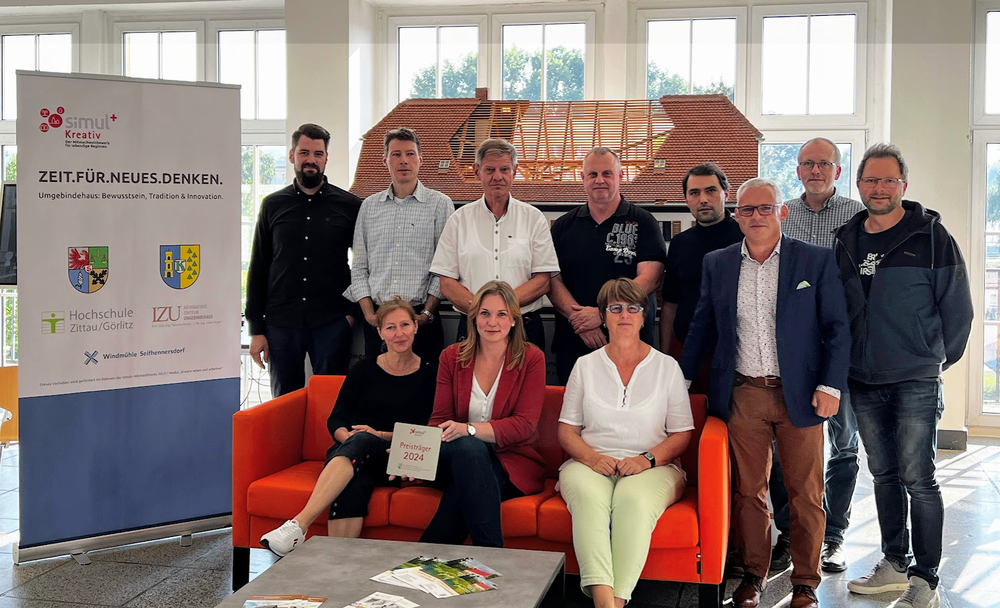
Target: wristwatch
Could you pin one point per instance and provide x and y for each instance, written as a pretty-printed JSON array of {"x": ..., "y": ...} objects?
[
  {"x": 428, "y": 314},
  {"x": 471, "y": 429},
  {"x": 652, "y": 459}
]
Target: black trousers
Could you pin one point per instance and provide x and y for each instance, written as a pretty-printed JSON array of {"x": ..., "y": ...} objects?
[{"x": 474, "y": 484}]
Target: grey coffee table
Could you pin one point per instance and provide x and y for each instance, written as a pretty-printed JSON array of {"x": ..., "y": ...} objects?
[{"x": 340, "y": 568}]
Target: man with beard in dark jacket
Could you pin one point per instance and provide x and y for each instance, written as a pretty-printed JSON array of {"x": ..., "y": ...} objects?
[{"x": 910, "y": 307}]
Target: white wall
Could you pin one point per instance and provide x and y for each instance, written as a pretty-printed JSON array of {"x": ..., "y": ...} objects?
[{"x": 930, "y": 114}]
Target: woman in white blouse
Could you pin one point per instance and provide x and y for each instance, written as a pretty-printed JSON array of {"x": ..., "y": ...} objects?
[{"x": 625, "y": 421}]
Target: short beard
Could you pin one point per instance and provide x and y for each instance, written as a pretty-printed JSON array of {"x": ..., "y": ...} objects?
[
  {"x": 309, "y": 181},
  {"x": 884, "y": 211}
]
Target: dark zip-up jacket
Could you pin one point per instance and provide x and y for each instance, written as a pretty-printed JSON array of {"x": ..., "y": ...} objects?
[{"x": 916, "y": 320}]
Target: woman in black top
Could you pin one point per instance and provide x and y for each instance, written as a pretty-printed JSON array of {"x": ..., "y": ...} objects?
[{"x": 395, "y": 387}]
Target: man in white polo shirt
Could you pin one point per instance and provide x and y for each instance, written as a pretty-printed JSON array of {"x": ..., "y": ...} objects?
[{"x": 497, "y": 238}]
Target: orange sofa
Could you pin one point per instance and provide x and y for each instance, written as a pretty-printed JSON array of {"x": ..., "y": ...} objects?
[{"x": 279, "y": 448}]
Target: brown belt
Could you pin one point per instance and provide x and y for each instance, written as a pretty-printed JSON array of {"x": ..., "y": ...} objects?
[{"x": 759, "y": 382}]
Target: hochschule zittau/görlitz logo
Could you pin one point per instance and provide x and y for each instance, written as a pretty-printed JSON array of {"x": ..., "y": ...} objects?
[{"x": 75, "y": 127}]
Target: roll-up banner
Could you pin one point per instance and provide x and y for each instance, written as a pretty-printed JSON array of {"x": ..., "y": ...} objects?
[{"x": 129, "y": 299}]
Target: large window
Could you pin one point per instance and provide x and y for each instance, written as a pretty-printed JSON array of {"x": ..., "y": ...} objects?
[
  {"x": 991, "y": 282},
  {"x": 691, "y": 56},
  {"x": 8, "y": 326},
  {"x": 8, "y": 162},
  {"x": 992, "y": 72},
  {"x": 255, "y": 59},
  {"x": 45, "y": 52},
  {"x": 170, "y": 55},
  {"x": 264, "y": 171},
  {"x": 438, "y": 61},
  {"x": 809, "y": 66},
  {"x": 986, "y": 99},
  {"x": 544, "y": 62}
]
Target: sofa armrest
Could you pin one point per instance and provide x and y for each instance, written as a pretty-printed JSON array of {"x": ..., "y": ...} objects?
[
  {"x": 714, "y": 496},
  {"x": 266, "y": 439}
]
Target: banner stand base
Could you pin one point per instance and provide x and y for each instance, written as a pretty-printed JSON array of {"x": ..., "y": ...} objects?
[{"x": 107, "y": 541}]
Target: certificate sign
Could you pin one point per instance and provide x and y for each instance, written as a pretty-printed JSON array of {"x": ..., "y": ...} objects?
[{"x": 414, "y": 452}]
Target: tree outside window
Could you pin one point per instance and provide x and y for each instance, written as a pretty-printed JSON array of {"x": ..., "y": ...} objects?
[
  {"x": 544, "y": 62},
  {"x": 691, "y": 56}
]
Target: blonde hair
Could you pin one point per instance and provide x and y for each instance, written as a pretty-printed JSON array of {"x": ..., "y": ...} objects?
[
  {"x": 517, "y": 341},
  {"x": 392, "y": 305}
]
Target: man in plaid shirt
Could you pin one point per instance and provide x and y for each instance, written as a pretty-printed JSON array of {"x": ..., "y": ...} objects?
[
  {"x": 815, "y": 217},
  {"x": 394, "y": 242}
]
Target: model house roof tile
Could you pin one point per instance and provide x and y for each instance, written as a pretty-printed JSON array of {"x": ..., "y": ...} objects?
[{"x": 552, "y": 138}]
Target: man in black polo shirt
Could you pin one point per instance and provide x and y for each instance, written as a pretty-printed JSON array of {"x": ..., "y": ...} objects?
[
  {"x": 705, "y": 191},
  {"x": 605, "y": 239},
  {"x": 298, "y": 271}
]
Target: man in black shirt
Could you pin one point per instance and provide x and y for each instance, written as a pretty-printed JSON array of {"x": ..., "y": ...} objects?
[
  {"x": 705, "y": 191},
  {"x": 604, "y": 239},
  {"x": 298, "y": 271}
]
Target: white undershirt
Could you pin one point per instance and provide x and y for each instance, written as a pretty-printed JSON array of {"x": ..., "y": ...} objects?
[{"x": 480, "y": 403}]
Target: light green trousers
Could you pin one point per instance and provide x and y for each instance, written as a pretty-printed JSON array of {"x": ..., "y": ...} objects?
[{"x": 613, "y": 520}]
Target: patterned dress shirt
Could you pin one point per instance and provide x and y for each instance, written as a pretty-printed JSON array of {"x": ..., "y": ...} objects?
[
  {"x": 394, "y": 243},
  {"x": 818, "y": 227},
  {"x": 756, "y": 317}
]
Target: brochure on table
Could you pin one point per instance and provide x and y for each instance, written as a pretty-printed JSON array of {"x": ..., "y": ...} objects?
[{"x": 441, "y": 578}]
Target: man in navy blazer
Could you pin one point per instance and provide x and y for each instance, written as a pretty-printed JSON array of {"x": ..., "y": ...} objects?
[{"x": 773, "y": 315}]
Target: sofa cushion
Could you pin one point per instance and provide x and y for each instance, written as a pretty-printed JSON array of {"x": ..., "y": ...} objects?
[
  {"x": 547, "y": 441},
  {"x": 282, "y": 495},
  {"x": 321, "y": 396},
  {"x": 414, "y": 507},
  {"x": 676, "y": 529}
]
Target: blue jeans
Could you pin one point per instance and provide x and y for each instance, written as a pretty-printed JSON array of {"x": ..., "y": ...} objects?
[
  {"x": 898, "y": 425},
  {"x": 841, "y": 475},
  {"x": 328, "y": 346},
  {"x": 474, "y": 484}
]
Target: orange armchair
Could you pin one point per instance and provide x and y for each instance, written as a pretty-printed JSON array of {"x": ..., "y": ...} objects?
[{"x": 279, "y": 448}]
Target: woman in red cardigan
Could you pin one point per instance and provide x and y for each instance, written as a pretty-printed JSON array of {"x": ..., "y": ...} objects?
[{"x": 489, "y": 398}]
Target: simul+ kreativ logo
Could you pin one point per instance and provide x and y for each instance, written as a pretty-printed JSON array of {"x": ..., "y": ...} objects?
[{"x": 78, "y": 131}]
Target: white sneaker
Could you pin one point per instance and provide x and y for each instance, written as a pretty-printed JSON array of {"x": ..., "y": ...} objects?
[
  {"x": 282, "y": 540},
  {"x": 883, "y": 577},
  {"x": 918, "y": 595}
]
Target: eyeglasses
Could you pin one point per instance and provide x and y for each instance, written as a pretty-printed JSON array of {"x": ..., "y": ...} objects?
[
  {"x": 616, "y": 309},
  {"x": 761, "y": 209},
  {"x": 823, "y": 164},
  {"x": 888, "y": 182}
]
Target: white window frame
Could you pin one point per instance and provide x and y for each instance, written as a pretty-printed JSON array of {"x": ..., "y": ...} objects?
[
  {"x": 641, "y": 59},
  {"x": 977, "y": 213},
  {"x": 979, "y": 115},
  {"x": 72, "y": 28},
  {"x": 588, "y": 18},
  {"x": 393, "y": 24},
  {"x": 857, "y": 138},
  {"x": 861, "y": 68},
  {"x": 212, "y": 64},
  {"x": 121, "y": 28}
]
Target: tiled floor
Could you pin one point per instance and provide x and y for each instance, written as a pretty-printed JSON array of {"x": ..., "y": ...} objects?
[{"x": 164, "y": 574}]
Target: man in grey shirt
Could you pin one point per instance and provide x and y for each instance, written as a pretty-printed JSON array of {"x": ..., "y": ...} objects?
[
  {"x": 815, "y": 217},
  {"x": 394, "y": 241}
]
